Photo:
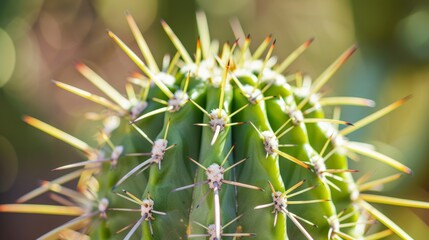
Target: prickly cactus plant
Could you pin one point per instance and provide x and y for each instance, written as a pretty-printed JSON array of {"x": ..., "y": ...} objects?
[{"x": 218, "y": 144}]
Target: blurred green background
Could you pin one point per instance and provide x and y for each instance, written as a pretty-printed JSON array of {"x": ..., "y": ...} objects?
[{"x": 41, "y": 40}]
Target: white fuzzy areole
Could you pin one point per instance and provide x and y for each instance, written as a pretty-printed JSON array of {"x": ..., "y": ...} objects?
[
  {"x": 110, "y": 123},
  {"x": 334, "y": 225},
  {"x": 103, "y": 205},
  {"x": 272, "y": 77},
  {"x": 216, "y": 81},
  {"x": 137, "y": 108},
  {"x": 319, "y": 165},
  {"x": 354, "y": 191},
  {"x": 146, "y": 208},
  {"x": 215, "y": 175},
  {"x": 242, "y": 72},
  {"x": 158, "y": 150},
  {"x": 178, "y": 100},
  {"x": 215, "y": 120},
  {"x": 305, "y": 90},
  {"x": 255, "y": 66},
  {"x": 204, "y": 71},
  {"x": 361, "y": 228},
  {"x": 280, "y": 202},
  {"x": 338, "y": 140},
  {"x": 271, "y": 142},
  {"x": 314, "y": 100},
  {"x": 116, "y": 154},
  {"x": 296, "y": 115},
  {"x": 167, "y": 79},
  {"x": 254, "y": 95},
  {"x": 211, "y": 230}
]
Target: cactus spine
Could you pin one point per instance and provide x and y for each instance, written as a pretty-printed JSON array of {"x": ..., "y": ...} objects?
[{"x": 222, "y": 145}]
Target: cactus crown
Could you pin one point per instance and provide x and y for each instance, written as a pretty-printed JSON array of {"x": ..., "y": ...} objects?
[{"x": 218, "y": 145}]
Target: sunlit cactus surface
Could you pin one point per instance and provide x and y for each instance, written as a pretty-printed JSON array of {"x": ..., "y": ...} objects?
[{"x": 218, "y": 144}]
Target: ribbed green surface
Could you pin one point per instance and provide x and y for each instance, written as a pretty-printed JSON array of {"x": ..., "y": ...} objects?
[{"x": 309, "y": 165}]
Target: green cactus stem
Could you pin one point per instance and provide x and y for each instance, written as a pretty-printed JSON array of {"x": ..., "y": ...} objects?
[{"x": 219, "y": 144}]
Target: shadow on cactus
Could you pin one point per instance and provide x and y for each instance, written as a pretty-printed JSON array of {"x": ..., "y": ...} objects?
[{"x": 218, "y": 145}]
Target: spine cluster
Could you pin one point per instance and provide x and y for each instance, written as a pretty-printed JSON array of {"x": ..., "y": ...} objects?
[{"x": 218, "y": 145}]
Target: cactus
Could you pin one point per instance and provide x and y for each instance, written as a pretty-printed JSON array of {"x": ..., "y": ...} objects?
[{"x": 219, "y": 145}]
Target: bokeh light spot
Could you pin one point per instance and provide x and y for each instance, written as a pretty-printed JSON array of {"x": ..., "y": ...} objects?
[
  {"x": 50, "y": 30},
  {"x": 8, "y": 164},
  {"x": 413, "y": 33},
  {"x": 7, "y": 57},
  {"x": 144, "y": 12},
  {"x": 224, "y": 7}
]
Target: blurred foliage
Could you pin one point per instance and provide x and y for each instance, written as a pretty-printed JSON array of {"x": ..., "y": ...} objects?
[{"x": 40, "y": 40}]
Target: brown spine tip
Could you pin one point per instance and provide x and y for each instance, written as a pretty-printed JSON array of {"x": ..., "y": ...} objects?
[
  {"x": 309, "y": 41},
  {"x": 26, "y": 118},
  {"x": 79, "y": 66},
  {"x": 44, "y": 183},
  {"x": 136, "y": 75},
  {"x": 408, "y": 171},
  {"x": 404, "y": 99},
  {"x": 349, "y": 123},
  {"x": 127, "y": 13},
  {"x": 3, "y": 208},
  {"x": 348, "y": 54},
  {"x": 236, "y": 41},
  {"x": 110, "y": 33},
  {"x": 352, "y": 49}
]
